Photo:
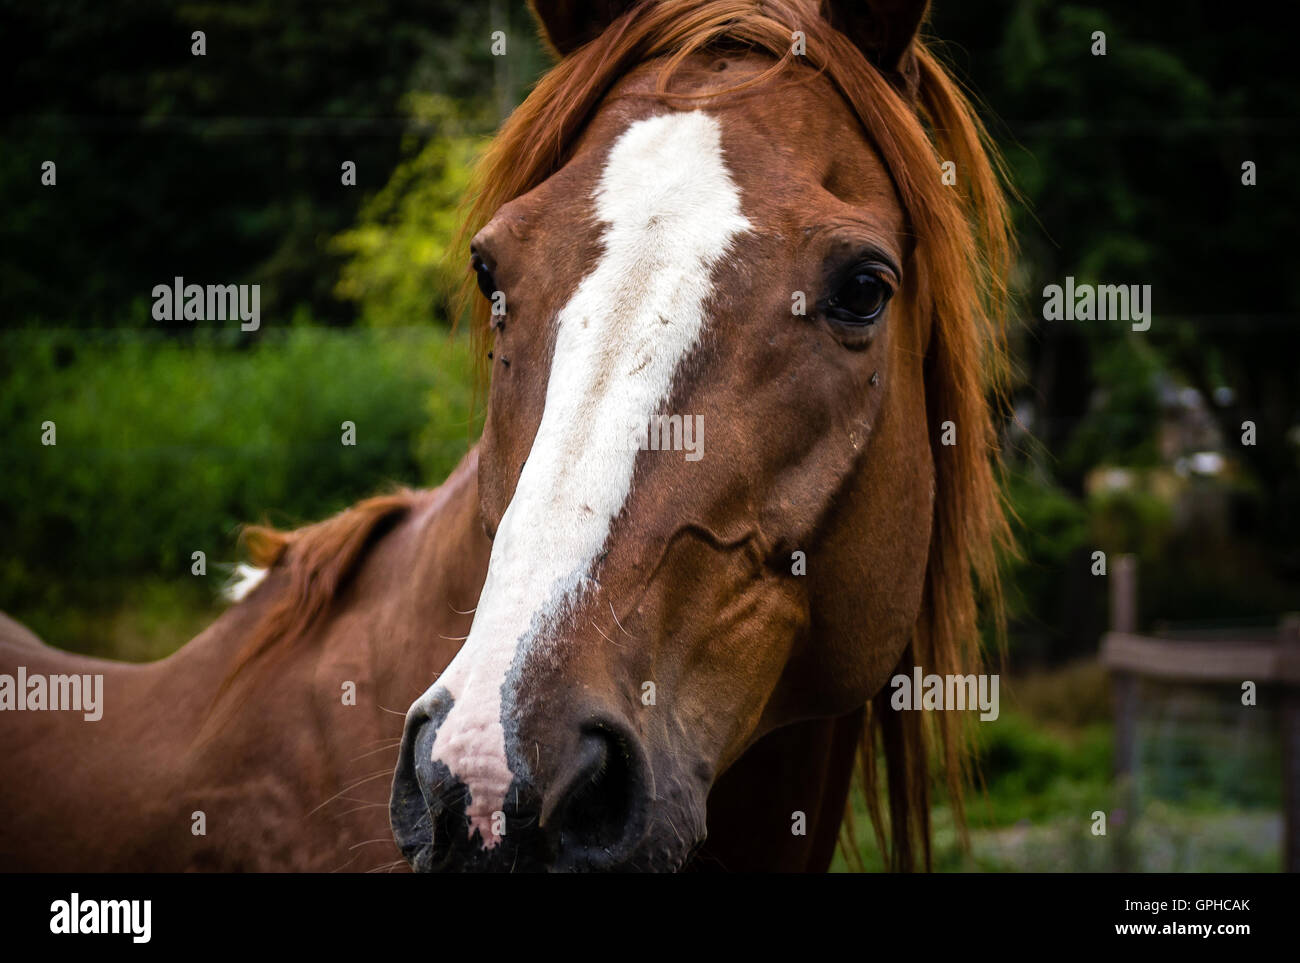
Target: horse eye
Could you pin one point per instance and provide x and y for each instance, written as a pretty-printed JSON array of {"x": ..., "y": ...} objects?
[
  {"x": 861, "y": 297},
  {"x": 483, "y": 276}
]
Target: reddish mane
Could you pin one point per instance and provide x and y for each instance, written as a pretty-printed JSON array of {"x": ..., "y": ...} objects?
[{"x": 319, "y": 560}]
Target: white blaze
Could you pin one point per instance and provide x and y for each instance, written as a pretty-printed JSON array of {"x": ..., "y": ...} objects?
[{"x": 670, "y": 210}]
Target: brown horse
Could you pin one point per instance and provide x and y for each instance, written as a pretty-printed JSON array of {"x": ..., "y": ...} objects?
[
  {"x": 736, "y": 472},
  {"x": 286, "y": 772}
]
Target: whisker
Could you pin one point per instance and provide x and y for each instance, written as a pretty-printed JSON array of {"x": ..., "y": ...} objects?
[
  {"x": 368, "y": 842},
  {"x": 393, "y": 744},
  {"x": 347, "y": 864},
  {"x": 363, "y": 802},
  {"x": 604, "y": 636},
  {"x": 618, "y": 623},
  {"x": 357, "y": 809},
  {"x": 676, "y": 831},
  {"x": 360, "y": 782}
]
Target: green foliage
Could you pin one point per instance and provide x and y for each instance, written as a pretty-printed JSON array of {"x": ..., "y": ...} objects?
[
  {"x": 225, "y": 166},
  {"x": 398, "y": 267},
  {"x": 1134, "y": 520},
  {"x": 1201, "y": 749},
  {"x": 1030, "y": 772},
  {"x": 1050, "y": 525},
  {"x": 1121, "y": 425},
  {"x": 163, "y": 450},
  {"x": 1070, "y": 697},
  {"x": 1042, "y": 782},
  {"x": 1131, "y": 166}
]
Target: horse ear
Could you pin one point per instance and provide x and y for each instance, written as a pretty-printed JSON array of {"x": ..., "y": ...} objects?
[
  {"x": 568, "y": 24},
  {"x": 884, "y": 30}
]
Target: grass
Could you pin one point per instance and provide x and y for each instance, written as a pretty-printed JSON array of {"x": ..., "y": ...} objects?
[{"x": 1047, "y": 768}]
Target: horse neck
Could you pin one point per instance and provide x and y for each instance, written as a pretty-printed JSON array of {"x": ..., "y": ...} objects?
[
  {"x": 398, "y": 620},
  {"x": 281, "y": 740},
  {"x": 309, "y": 731}
]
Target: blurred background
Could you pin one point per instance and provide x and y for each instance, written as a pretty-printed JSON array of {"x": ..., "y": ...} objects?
[{"x": 226, "y": 168}]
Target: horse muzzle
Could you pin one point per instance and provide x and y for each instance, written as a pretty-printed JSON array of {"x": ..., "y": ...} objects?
[{"x": 581, "y": 802}]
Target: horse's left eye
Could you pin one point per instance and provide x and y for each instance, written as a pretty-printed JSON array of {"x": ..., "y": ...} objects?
[
  {"x": 483, "y": 275},
  {"x": 861, "y": 297}
]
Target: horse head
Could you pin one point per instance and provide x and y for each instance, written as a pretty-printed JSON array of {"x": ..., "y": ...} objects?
[{"x": 733, "y": 307}]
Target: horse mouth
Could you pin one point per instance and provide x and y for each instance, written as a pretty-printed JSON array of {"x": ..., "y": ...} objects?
[{"x": 598, "y": 818}]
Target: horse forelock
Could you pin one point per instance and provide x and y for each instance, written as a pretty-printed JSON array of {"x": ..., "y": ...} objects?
[{"x": 963, "y": 250}]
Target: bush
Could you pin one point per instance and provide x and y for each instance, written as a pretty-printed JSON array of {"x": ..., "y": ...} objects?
[
  {"x": 1049, "y": 527},
  {"x": 399, "y": 267},
  {"x": 165, "y": 449},
  {"x": 1031, "y": 773}
]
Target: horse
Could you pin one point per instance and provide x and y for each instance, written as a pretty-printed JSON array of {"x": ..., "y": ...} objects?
[
  {"x": 203, "y": 762},
  {"x": 620, "y": 646}
]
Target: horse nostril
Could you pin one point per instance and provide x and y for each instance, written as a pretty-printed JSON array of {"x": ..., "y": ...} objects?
[
  {"x": 602, "y": 813},
  {"x": 407, "y": 809},
  {"x": 423, "y": 808}
]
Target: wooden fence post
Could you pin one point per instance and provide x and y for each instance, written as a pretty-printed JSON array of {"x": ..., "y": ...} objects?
[
  {"x": 1123, "y": 618},
  {"x": 1273, "y": 662}
]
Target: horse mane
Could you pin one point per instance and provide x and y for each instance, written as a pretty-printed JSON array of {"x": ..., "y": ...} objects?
[
  {"x": 318, "y": 561},
  {"x": 963, "y": 252}
]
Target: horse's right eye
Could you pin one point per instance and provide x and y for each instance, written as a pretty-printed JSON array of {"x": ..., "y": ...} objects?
[
  {"x": 861, "y": 297},
  {"x": 483, "y": 275}
]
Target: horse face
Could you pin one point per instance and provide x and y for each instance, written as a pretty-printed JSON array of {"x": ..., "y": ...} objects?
[{"x": 705, "y": 470}]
